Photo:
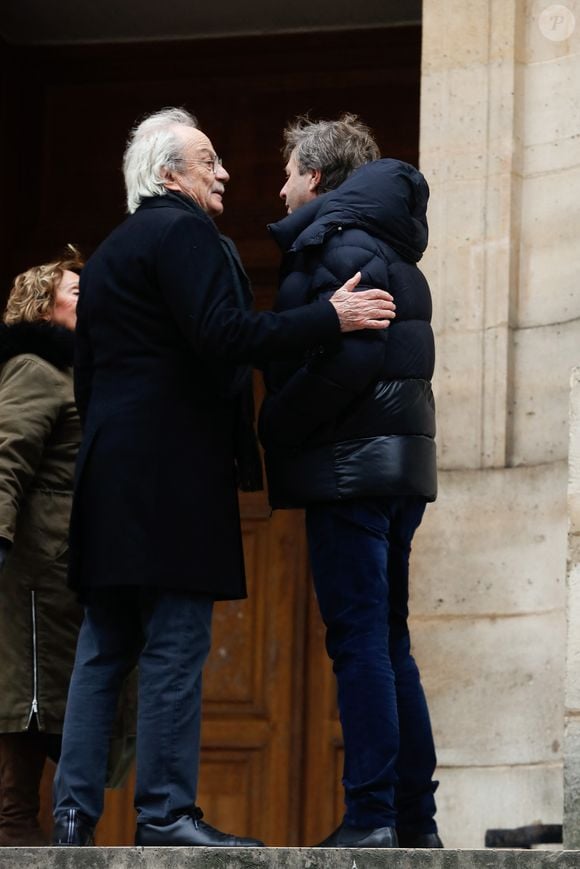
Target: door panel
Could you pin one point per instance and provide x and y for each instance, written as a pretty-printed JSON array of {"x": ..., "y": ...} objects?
[
  {"x": 253, "y": 685},
  {"x": 322, "y": 785}
]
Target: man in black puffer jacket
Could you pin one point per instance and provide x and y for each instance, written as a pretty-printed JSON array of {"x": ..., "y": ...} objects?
[{"x": 349, "y": 434}]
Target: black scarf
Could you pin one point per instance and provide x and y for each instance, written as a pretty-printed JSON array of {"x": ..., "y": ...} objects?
[
  {"x": 248, "y": 462},
  {"x": 53, "y": 343},
  {"x": 247, "y": 453}
]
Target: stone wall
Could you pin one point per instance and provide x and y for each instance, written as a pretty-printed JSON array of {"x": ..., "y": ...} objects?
[
  {"x": 572, "y": 681},
  {"x": 500, "y": 134}
]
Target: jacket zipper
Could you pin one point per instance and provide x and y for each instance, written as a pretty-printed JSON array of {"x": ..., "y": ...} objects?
[{"x": 34, "y": 706}]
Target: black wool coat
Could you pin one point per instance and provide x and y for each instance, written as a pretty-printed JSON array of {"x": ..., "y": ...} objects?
[
  {"x": 162, "y": 343},
  {"x": 357, "y": 417}
]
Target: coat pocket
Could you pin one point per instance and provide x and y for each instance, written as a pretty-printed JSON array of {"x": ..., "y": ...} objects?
[{"x": 42, "y": 529}]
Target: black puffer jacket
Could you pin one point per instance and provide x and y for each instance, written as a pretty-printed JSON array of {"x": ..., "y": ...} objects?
[{"x": 357, "y": 418}]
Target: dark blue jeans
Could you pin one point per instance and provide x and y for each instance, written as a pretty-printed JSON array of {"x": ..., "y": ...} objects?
[
  {"x": 359, "y": 553},
  {"x": 168, "y": 635}
]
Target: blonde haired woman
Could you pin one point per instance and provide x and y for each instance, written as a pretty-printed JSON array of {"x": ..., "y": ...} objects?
[{"x": 39, "y": 616}]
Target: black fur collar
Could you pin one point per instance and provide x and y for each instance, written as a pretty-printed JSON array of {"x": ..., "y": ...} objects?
[{"x": 55, "y": 344}]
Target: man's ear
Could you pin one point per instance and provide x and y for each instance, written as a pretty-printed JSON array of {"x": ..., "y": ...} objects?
[
  {"x": 315, "y": 178},
  {"x": 168, "y": 179}
]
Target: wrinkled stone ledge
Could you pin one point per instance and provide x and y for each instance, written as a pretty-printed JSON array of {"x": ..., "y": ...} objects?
[{"x": 281, "y": 858}]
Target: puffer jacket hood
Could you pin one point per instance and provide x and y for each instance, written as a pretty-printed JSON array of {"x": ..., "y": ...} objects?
[
  {"x": 53, "y": 343},
  {"x": 387, "y": 198}
]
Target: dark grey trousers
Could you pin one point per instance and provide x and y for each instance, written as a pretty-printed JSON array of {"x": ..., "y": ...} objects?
[{"x": 168, "y": 635}]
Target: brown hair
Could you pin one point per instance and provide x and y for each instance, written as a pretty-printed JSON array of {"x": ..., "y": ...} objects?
[
  {"x": 336, "y": 148},
  {"x": 32, "y": 295}
]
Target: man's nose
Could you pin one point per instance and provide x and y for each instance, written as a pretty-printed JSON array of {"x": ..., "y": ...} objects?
[
  {"x": 282, "y": 193},
  {"x": 222, "y": 174}
]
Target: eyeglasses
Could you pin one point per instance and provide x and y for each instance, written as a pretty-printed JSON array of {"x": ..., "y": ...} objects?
[{"x": 212, "y": 165}]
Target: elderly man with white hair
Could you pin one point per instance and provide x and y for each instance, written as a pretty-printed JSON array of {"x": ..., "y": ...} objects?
[{"x": 163, "y": 386}]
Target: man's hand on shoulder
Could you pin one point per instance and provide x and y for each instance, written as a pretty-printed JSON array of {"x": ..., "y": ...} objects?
[{"x": 367, "y": 309}]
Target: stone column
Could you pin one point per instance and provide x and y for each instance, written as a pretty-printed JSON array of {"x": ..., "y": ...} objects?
[
  {"x": 471, "y": 156},
  {"x": 500, "y": 126},
  {"x": 572, "y": 712}
]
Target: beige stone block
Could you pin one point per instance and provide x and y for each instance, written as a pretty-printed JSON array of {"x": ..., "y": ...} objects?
[
  {"x": 537, "y": 47},
  {"x": 467, "y": 270},
  {"x": 549, "y": 253},
  {"x": 454, "y": 33},
  {"x": 469, "y": 273},
  {"x": 550, "y": 104},
  {"x": 457, "y": 386},
  {"x": 548, "y": 286},
  {"x": 457, "y": 287},
  {"x": 471, "y": 801},
  {"x": 552, "y": 156},
  {"x": 468, "y": 259},
  {"x": 495, "y": 687},
  {"x": 573, "y": 549},
  {"x": 574, "y": 454},
  {"x": 502, "y": 100},
  {"x": 543, "y": 358},
  {"x": 572, "y": 680},
  {"x": 574, "y": 517},
  {"x": 574, "y": 465},
  {"x": 462, "y": 34},
  {"x": 495, "y": 392},
  {"x": 494, "y": 543},
  {"x": 454, "y": 124},
  {"x": 546, "y": 197},
  {"x": 455, "y": 218},
  {"x": 573, "y": 640},
  {"x": 467, "y": 123},
  {"x": 471, "y": 391},
  {"x": 572, "y": 783}
]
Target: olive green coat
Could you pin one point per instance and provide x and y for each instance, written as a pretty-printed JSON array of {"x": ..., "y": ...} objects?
[{"x": 39, "y": 439}]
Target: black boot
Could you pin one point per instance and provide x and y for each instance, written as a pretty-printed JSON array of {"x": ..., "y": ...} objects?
[
  {"x": 412, "y": 839},
  {"x": 22, "y": 759},
  {"x": 190, "y": 830},
  {"x": 356, "y": 837},
  {"x": 71, "y": 827}
]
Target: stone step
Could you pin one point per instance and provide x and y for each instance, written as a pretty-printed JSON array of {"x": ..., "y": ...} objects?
[{"x": 282, "y": 858}]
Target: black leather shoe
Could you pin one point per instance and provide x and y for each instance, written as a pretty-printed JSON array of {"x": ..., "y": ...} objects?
[
  {"x": 355, "y": 837},
  {"x": 72, "y": 828},
  {"x": 190, "y": 830},
  {"x": 410, "y": 839}
]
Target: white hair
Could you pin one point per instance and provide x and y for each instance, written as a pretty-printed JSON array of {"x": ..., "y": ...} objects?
[{"x": 153, "y": 145}]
